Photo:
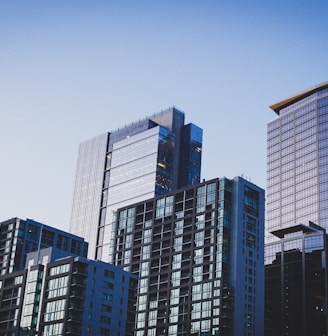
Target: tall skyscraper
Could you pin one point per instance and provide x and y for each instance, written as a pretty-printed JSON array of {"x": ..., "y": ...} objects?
[
  {"x": 297, "y": 215},
  {"x": 147, "y": 158},
  {"x": 297, "y": 169},
  {"x": 199, "y": 255}
]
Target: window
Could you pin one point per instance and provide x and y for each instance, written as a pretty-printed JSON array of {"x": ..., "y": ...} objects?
[
  {"x": 105, "y": 319},
  {"x": 108, "y": 285},
  {"x": 54, "y": 310},
  {"x": 107, "y": 297},
  {"x": 18, "y": 280},
  {"x": 60, "y": 269},
  {"x": 47, "y": 237},
  {"x": 109, "y": 274},
  {"x": 57, "y": 287},
  {"x": 53, "y": 329},
  {"x": 104, "y": 331},
  {"x": 106, "y": 308},
  {"x": 250, "y": 240},
  {"x": 32, "y": 232}
]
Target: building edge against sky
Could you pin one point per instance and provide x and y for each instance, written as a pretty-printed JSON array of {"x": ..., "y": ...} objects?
[
  {"x": 149, "y": 157},
  {"x": 18, "y": 237},
  {"x": 297, "y": 169}
]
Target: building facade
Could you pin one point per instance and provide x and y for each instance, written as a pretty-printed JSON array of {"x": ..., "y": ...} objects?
[
  {"x": 67, "y": 295},
  {"x": 199, "y": 255},
  {"x": 18, "y": 237},
  {"x": 12, "y": 287},
  {"x": 297, "y": 170},
  {"x": 150, "y": 157},
  {"x": 296, "y": 282},
  {"x": 297, "y": 194}
]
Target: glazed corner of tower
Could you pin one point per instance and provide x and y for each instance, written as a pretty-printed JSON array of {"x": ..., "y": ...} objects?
[{"x": 301, "y": 95}]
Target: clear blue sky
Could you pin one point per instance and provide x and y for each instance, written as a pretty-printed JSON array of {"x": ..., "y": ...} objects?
[{"x": 71, "y": 70}]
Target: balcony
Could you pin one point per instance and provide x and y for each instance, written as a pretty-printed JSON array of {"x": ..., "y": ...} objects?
[
  {"x": 80, "y": 282},
  {"x": 74, "y": 318},
  {"x": 70, "y": 330},
  {"x": 79, "y": 271},
  {"x": 75, "y": 306},
  {"x": 77, "y": 294}
]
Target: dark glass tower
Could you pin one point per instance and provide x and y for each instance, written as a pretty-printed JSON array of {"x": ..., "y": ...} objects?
[
  {"x": 199, "y": 255},
  {"x": 296, "y": 282},
  {"x": 147, "y": 158},
  {"x": 190, "y": 160}
]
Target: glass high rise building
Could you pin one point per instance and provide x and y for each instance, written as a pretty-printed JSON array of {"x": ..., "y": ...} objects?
[
  {"x": 297, "y": 170},
  {"x": 297, "y": 215},
  {"x": 147, "y": 158},
  {"x": 198, "y": 253}
]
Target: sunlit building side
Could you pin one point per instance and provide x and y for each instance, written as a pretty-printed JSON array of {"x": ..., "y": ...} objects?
[
  {"x": 141, "y": 160},
  {"x": 297, "y": 169}
]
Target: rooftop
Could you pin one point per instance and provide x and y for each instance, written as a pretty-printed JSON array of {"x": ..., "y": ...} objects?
[
  {"x": 301, "y": 95},
  {"x": 311, "y": 228}
]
